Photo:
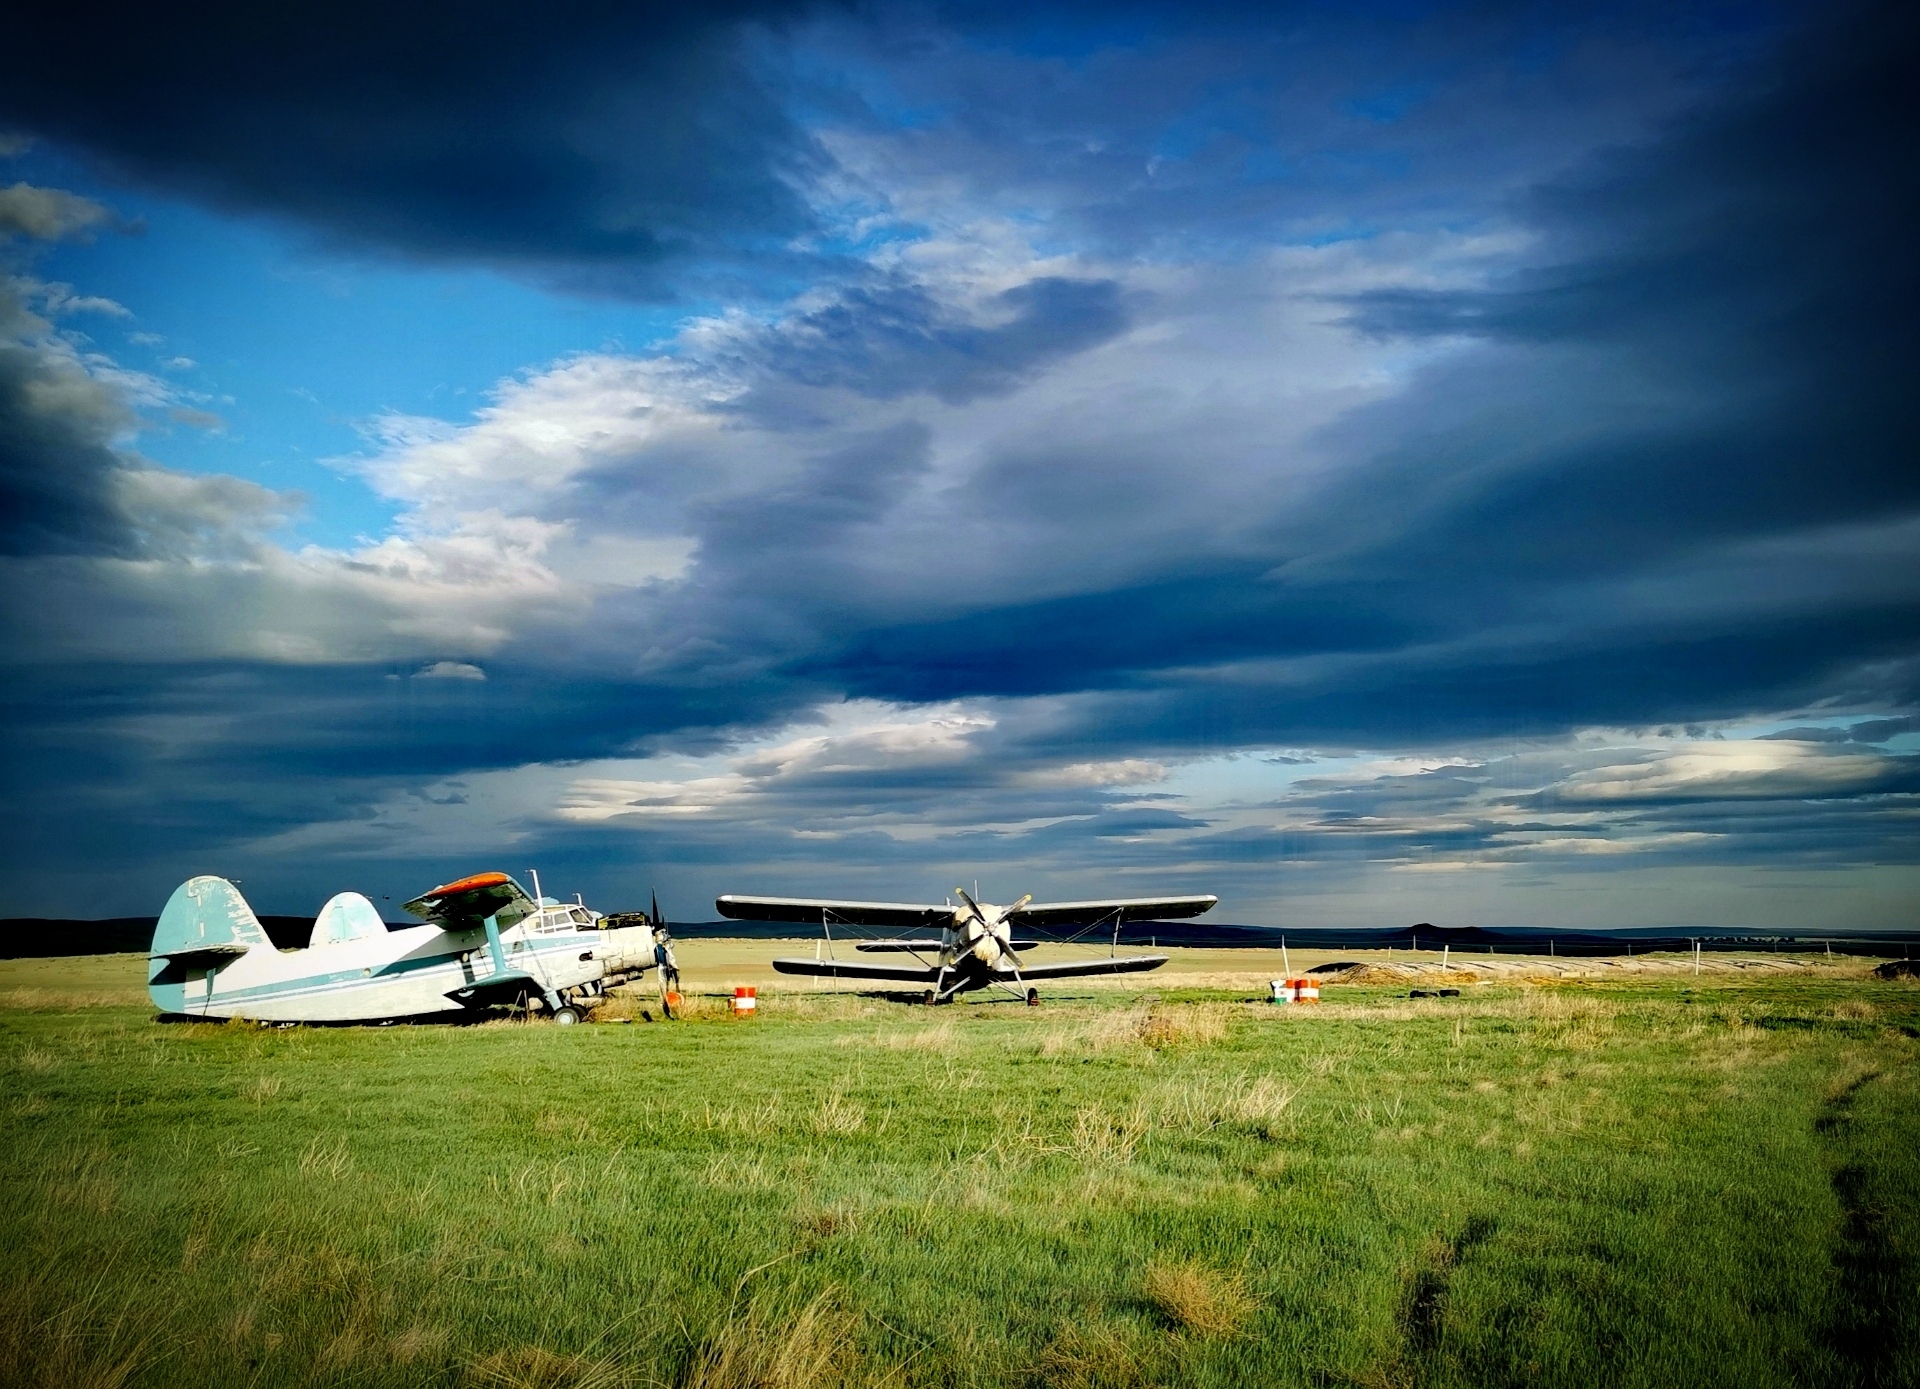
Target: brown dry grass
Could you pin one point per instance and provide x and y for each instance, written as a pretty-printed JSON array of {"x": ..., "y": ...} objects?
[
  {"x": 1261, "y": 1102},
  {"x": 533, "y": 1367},
  {"x": 1160, "y": 1027},
  {"x": 1186, "y": 1024},
  {"x": 1199, "y": 1298},
  {"x": 49, "y": 1341},
  {"x": 1094, "y": 1355},
  {"x": 814, "y": 1348}
]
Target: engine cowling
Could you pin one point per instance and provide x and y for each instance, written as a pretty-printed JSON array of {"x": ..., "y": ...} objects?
[{"x": 626, "y": 950}]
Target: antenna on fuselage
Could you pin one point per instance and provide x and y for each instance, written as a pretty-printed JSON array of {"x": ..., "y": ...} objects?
[{"x": 538, "y": 897}]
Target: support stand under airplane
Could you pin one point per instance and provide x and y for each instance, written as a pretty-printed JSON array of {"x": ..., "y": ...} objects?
[
  {"x": 486, "y": 942},
  {"x": 976, "y": 947}
]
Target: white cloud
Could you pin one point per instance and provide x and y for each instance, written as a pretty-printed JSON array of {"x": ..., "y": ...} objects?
[
  {"x": 60, "y": 299},
  {"x": 540, "y": 435},
  {"x": 1726, "y": 771},
  {"x": 450, "y": 670},
  {"x": 48, "y": 214},
  {"x": 860, "y": 737}
]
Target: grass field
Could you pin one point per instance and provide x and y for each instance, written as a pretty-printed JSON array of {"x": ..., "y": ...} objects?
[{"x": 1644, "y": 1178}]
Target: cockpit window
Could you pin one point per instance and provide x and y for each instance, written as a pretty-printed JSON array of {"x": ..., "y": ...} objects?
[{"x": 582, "y": 918}]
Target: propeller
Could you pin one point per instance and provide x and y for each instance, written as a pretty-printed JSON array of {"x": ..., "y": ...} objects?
[
  {"x": 664, "y": 962},
  {"x": 1004, "y": 943}
]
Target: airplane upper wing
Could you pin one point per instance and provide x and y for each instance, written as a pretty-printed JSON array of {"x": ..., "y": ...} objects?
[
  {"x": 896, "y": 914},
  {"x": 469, "y": 901},
  {"x": 1117, "y": 964},
  {"x": 849, "y": 969},
  {"x": 1127, "y": 909}
]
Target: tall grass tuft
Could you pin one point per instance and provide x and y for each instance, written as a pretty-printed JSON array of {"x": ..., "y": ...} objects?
[
  {"x": 765, "y": 1348},
  {"x": 1184, "y": 1025},
  {"x": 1094, "y": 1356},
  {"x": 1198, "y": 1298},
  {"x": 533, "y": 1367},
  {"x": 75, "y": 1344}
]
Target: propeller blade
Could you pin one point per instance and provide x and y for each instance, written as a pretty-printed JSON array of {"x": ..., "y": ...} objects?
[{"x": 974, "y": 907}]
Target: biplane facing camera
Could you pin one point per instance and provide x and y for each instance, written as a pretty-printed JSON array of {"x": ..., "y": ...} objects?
[
  {"x": 976, "y": 947},
  {"x": 485, "y": 942}
]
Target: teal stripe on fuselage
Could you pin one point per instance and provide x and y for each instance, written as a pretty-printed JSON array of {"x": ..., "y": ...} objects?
[{"x": 343, "y": 980}]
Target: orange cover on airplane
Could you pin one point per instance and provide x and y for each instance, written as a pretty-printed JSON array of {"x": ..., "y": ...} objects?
[{"x": 478, "y": 880}]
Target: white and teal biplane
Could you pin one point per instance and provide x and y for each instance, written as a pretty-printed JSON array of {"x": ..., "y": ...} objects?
[{"x": 485, "y": 943}]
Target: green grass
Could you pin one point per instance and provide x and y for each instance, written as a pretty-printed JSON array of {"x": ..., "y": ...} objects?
[{"x": 1638, "y": 1184}]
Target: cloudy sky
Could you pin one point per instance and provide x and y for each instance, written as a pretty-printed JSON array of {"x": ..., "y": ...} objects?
[{"x": 1376, "y": 462}]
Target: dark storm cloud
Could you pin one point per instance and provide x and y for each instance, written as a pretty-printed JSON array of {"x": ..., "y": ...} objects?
[
  {"x": 1713, "y": 353},
  {"x": 600, "y": 142},
  {"x": 153, "y": 766},
  {"x": 1871, "y": 731},
  {"x": 68, "y": 486},
  {"x": 57, "y": 464},
  {"x": 1222, "y": 128}
]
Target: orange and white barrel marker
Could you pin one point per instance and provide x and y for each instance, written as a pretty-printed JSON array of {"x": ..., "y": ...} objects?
[{"x": 745, "y": 1000}]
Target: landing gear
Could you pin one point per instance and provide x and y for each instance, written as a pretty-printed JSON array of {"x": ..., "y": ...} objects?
[
  {"x": 566, "y": 1016},
  {"x": 1033, "y": 998},
  {"x": 928, "y": 998}
]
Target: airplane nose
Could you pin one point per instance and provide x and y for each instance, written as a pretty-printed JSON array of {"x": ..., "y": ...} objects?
[{"x": 627, "y": 948}]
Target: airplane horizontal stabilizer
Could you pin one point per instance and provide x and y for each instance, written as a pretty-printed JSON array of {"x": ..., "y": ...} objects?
[
  {"x": 1121, "y": 964},
  {"x": 848, "y": 969}
]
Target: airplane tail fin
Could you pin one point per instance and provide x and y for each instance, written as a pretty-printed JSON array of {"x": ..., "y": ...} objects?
[
  {"x": 347, "y": 916},
  {"x": 206, "y": 922}
]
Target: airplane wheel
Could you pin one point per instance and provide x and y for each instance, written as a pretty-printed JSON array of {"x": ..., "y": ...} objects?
[
  {"x": 566, "y": 1017},
  {"x": 927, "y": 998},
  {"x": 1033, "y": 998}
]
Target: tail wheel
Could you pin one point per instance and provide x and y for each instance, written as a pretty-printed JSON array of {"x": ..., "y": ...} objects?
[
  {"x": 1033, "y": 998},
  {"x": 566, "y": 1017}
]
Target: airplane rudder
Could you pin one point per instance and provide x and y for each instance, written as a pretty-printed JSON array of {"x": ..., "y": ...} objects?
[
  {"x": 347, "y": 916},
  {"x": 206, "y": 911}
]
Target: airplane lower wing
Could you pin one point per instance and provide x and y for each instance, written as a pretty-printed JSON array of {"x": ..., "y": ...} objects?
[
  {"x": 1096, "y": 913},
  {"x": 848, "y": 969},
  {"x": 899, "y": 915},
  {"x": 1118, "y": 964},
  {"x": 497, "y": 988}
]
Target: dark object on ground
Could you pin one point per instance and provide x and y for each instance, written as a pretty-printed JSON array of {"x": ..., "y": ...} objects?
[
  {"x": 1898, "y": 969},
  {"x": 1434, "y": 993}
]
